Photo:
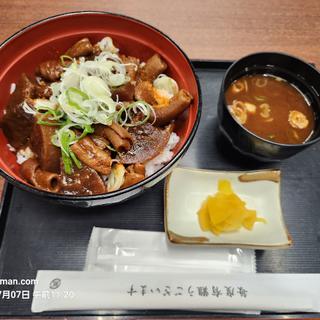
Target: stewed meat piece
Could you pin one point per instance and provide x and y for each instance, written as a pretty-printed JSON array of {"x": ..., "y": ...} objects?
[
  {"x": 16, "y": 123},
  {"x": 148, "y": 142}
]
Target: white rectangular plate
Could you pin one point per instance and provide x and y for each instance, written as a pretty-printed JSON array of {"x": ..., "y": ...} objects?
[{"x": 186, "y": 189}]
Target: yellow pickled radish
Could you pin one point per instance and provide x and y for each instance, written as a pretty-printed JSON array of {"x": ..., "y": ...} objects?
[
  {"x": 226, "y": 212},
  {"x": 203, "y": 217},
  {"x": 224, "y": 186}
]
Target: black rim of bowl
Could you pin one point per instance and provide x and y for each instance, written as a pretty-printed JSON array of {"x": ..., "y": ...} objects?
[
  {"x": 166, "y": 167},
  {"x": 308, "y": 142}
]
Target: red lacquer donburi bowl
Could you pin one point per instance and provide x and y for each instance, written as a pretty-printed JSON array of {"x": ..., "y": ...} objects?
[{"x": 51, "y": 37}]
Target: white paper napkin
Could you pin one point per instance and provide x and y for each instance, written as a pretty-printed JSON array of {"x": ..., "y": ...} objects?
[{"x": 147, "y": 251}]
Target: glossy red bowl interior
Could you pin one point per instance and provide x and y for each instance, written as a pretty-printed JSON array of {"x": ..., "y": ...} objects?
[{"x": 51, "y": 37}]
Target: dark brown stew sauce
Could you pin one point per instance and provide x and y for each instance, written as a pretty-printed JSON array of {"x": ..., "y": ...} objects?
[{"x": 272, "y": 108}]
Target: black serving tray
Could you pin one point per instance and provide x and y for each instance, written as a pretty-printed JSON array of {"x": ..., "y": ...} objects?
[{"x": 37, "y": 234}]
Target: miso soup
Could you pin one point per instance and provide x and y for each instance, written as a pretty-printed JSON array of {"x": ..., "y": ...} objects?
[{"x": 272, "y": 108}]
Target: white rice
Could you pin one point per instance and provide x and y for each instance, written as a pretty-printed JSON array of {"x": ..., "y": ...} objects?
[
  {"x": 165, "y": 156},
  {"x": 24, "y": 154}
]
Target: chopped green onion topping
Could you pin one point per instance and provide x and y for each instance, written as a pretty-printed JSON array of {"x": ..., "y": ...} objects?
[
  {"x": 54, "y": 115},
  {"x": 87, "y": 129},
  {"x": 64, "y": 138},
  {"x": 76, "y": 97},
  {"x": 134, "y": 110},
  {"x": 67, "y": 163},
  {"x": 63, "y": 59},
  {"x": 75, "y": 159},
  {"x": 67, "y": 137},
  {"x": 111, "y": 149}
]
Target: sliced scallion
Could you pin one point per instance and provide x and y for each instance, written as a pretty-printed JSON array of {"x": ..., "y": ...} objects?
[
  {"x": 75, "y": 160},
  {"x": 64, "y": 58},
  {"x": 75, "y": 98},
  {"x": 111, "y": 149},
  {"x": 135, "y": 108},
  {"x": 67, "y": 163}
]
